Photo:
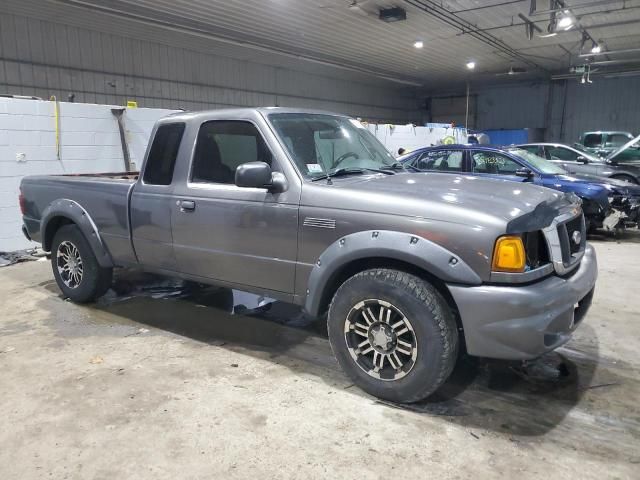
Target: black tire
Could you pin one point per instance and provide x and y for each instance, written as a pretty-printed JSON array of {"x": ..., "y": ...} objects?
[
  {"x": 94, "y": 281},
  {"x": 433, "y": 328}
]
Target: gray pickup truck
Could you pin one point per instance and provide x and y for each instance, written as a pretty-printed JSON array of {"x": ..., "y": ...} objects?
[{"x": 308, "y": 207}]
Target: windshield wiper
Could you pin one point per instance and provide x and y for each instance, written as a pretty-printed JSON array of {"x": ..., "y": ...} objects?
[
  {"x": 338, "y": 173},
  {"x": 399, "y": 166},
  {"x": 348, "y": 171}
]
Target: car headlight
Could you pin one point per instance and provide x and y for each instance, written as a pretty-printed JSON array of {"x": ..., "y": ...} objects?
[{"x": 509, "y": 255}]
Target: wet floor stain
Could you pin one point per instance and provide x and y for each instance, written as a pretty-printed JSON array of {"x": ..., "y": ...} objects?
[{"x": 522, "y": 401}]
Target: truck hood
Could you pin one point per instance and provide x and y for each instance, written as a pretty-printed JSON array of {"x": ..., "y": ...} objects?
[
  {"x": 629, "y": 144},
  {"x": 443, "y": 196}
]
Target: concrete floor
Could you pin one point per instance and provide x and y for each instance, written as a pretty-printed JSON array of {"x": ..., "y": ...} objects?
[{"x": 161, "y": 381}]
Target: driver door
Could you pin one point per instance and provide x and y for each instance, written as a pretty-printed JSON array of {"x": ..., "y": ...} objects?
[
  {"x": 242, "y": 236},
  {"x": 571, "y": 161},
  {"x": 487, "y": 163}
]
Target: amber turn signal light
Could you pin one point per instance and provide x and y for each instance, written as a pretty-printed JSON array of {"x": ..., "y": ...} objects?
[{"x": 509, "y": 255}]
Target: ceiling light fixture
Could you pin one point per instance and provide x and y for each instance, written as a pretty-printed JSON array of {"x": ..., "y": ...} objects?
[
  {"x": 418, "y": 44},
  {"x": 471, "y": 65},
  {"x": 596, "y": 48},
  {"x": 566, "y": 20}
]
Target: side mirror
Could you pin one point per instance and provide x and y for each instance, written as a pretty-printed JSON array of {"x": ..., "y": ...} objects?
[
  {"x": 582, "y": 159},
  {"x": 524, "y": 173},
  {"x": 259, "y": 175}
]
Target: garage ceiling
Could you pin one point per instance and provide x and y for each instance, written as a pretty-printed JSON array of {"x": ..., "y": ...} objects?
[{"x": 493, "y": 33}]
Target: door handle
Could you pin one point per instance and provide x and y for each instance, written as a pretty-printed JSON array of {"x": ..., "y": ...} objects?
[{"x": 187, "y": 205}]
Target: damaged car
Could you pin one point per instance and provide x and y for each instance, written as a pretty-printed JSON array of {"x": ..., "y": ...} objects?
[{"x": 608, "y": 203}]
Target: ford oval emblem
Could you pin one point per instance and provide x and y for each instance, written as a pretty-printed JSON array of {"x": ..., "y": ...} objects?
[{"x": 576, "y": 237}]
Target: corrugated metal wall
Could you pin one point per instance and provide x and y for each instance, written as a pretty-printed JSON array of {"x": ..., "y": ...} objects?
[
  {"x": 43, "y": 58},
  {"x": 563, "y": 108},
  {"x": 519, "y": 106},
  {"x": 606, "y": 104}
]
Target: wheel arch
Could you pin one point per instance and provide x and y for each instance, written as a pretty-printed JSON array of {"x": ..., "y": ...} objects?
[
  {"x": 69, "y": 212},
  {"x": 627, "y": 177},
  {"x": 384, "y": 249}
]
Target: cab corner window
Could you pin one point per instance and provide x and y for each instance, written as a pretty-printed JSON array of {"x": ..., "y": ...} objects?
[
  {"x": 163, "y": 154},
  {"x": 222, "y": 146}
]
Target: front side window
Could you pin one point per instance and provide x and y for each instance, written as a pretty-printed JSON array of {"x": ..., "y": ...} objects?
[
  {"x": 531, "y": 148},
  {"x": 321, "y": 144},
  {"x": 162, "y": 156},
  {"x": 617, "y": 140},
  {"x": 494, "y": 163},
  {"x": 593, "y": 140},
  {"x": 222, "y": 146},
  {"x": 441, "y": 160},
  {"x": 541, "y": 164},
  {"x": 557, "y": 153}
]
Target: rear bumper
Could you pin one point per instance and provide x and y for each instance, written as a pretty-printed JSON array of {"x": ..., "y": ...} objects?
[
  {"x": 524, "y": 322},
  {"x": 31, "y": 229}
]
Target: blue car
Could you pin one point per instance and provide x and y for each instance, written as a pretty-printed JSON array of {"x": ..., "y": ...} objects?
[{"x": 607, "y": 203}]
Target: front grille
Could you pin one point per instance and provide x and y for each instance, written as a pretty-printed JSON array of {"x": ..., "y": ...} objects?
[{"x": 567, "y": 239}]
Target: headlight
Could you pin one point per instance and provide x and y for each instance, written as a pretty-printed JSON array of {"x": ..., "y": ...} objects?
[{"x": 509, "y": 255}]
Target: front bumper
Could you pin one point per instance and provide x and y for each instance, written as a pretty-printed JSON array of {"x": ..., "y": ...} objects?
[{"x": 524, "y": 322}]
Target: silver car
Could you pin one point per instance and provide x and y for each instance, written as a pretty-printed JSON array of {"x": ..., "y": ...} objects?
[{"x": 580, "y": 162}]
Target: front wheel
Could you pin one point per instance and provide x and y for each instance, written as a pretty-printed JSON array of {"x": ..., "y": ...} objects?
[
  {"x": 393, "y": 334},
  {"x": 76, "y": 268}
]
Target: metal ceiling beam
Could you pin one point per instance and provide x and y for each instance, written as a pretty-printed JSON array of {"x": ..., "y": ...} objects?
[
  {"x": 484, "y": 7},
  {"x": 446, "y": 16},
  {"x": 610, "y": 52},
  {"x": 534, "y": 12}
]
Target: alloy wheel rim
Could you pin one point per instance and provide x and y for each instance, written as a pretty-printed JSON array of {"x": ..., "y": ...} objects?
[
  {"x": 380, "y": 339},
  {"x": 69, "y": 263}
]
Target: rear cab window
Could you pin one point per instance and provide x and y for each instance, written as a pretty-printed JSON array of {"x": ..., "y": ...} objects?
[
  {"x": 163, "y": 153},
  {"x": 592, "y": 140}
]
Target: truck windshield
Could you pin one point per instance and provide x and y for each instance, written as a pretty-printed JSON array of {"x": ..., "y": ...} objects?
[
  {"x": 541, "y": 164},
  {"x": 321, "y": 144}
]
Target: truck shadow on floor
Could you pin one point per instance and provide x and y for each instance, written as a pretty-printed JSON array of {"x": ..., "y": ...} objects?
[
  {"x": 499, "y": 396},
  {"x": 631, "y": 235}
]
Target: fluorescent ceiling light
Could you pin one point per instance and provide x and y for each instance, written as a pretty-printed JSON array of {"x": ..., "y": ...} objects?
[
  {"x": 471, "y": 65},
  {"x": 419, "y": 44}
]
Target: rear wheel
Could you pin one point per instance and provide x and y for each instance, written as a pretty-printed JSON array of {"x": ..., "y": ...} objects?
[
  {"x": 393, "y": 334},
  {"x": 75, "y": 267}
]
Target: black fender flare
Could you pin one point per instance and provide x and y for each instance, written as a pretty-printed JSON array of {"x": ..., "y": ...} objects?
[
  {"x": 418, "y": 251},
  {"x": 73, "y": 211}
]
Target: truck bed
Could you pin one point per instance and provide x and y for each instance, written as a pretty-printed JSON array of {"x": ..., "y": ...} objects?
[
  {"x": 103, "y": 195},
  {"x": 110, "y": 175}
]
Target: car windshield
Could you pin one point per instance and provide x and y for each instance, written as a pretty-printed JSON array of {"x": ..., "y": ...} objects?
[
  {"x": 541, "y": 164},
  {"x": 321, "y": 144}
]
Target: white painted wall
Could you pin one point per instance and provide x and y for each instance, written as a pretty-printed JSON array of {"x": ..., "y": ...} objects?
[
  {"x": 411, "y": 137},
  {"x": 90, "y": 143}
]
